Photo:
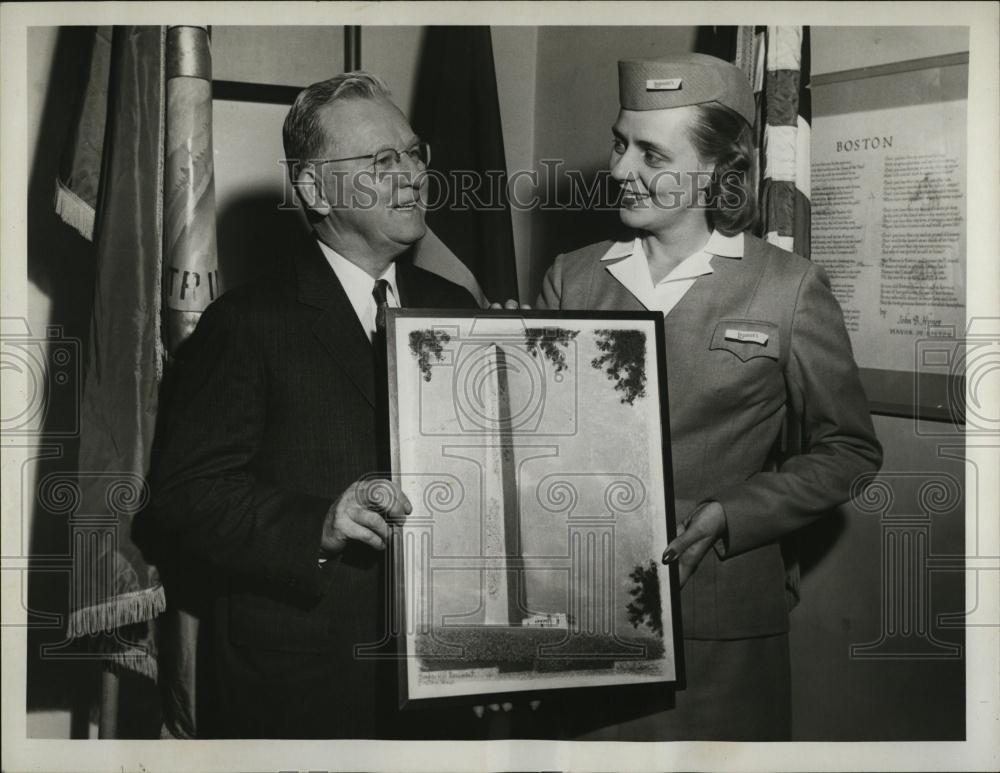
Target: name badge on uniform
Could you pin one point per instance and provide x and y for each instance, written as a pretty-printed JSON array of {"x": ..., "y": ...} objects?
[
  {"x": 747, "y": 336},
  {"x": 663, "y": 84}
]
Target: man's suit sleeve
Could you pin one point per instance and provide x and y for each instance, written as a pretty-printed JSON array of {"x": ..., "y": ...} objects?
[
  {"x": 839, "y": 442},
  {"x": 206, "y": 499}
]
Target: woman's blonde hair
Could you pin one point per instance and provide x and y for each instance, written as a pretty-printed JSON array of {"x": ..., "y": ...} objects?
[{"x": 725, "y": 139}]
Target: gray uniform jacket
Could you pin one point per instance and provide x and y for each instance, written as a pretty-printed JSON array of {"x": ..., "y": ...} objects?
[{"x": 727, "y": 401}]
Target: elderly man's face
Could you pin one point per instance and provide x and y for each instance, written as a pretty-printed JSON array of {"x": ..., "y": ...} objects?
[{"x": 372, "y": 215}]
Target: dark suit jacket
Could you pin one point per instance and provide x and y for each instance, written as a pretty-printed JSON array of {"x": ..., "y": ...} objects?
[
  {"x": 727, "y": 401},
  {"x": 273, "y": 415}
]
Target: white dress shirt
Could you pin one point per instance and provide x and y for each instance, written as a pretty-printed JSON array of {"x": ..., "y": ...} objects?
[
  {"x": 633, "y": 272},
  {"x": 358, "y": 284}
]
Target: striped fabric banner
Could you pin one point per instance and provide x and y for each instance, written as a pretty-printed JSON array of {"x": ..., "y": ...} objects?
[{"x": 776, "y": 61}]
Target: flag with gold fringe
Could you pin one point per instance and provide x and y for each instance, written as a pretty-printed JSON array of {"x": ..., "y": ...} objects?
[
  {"x": 776, "y": 61},
  {"x": 136, "y": 178}
]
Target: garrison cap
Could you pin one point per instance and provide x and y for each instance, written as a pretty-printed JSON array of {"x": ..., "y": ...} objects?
[{"x": 691, "y": 79}]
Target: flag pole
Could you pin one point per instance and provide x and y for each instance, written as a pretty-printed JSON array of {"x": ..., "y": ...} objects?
[
  {"x": 352, "y": 48},
  {"x": 107, "y": 725}
]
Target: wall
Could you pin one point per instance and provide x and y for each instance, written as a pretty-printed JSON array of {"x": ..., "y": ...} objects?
[
  {"x": 257, "y": 215},
  {"x": 910, "y": 687},
  {"x": 839, "y": 48}
]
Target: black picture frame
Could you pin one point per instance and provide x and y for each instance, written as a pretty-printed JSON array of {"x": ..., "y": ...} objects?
[{"x": 486, "y": 616}]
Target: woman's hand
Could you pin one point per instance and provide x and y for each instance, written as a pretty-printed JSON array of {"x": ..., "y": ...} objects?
[{"x": 695, "y": 538}]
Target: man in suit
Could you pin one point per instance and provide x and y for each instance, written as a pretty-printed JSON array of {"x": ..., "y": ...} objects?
[{"x": 267, "y": 460}]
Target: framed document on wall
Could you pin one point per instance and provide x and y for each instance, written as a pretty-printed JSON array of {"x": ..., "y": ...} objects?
[
  {"x": 534, "y": 448},
  {"x": 889, "y": 225}
]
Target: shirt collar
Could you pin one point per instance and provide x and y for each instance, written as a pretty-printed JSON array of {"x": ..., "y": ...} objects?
[
  {"x": 357, "y": 282},
  {"x": 725, "y": 246},
  {"x": 717, "y": 244}
]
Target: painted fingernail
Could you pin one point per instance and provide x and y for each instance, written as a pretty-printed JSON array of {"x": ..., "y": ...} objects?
[{"x": 669, "y": 555}]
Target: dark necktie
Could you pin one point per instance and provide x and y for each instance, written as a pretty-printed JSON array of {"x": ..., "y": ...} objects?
[
  {"x": 381, "y": 302},
  {"x": 379, "y": 353}
]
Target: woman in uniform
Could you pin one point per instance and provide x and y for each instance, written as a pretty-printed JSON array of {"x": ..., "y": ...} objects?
[{"x": 754, "y": 339}]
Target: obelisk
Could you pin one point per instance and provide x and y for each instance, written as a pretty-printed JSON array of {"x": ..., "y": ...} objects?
[{"x": 501, "y": 517}]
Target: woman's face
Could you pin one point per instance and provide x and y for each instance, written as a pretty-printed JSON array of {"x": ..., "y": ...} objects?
[{"x": 659, "y": 171}]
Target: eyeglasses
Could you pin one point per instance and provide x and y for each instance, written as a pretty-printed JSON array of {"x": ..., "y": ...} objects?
[{"x": 388, "y": 160}]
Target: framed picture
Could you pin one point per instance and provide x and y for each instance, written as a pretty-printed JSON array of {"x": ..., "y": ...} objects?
[
  {"x": 534, "y": 448},
  {"x": 889, "y": 226}
]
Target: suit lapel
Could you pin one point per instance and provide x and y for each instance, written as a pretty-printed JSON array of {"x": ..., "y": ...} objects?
[
  {"x": 719, "y": 289},
  {"x": 609, "y": 291},
  {"x": 413, "y": 289},
  {"x": 405, "y": 280},
  {"x": 336, "y": 325}
]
